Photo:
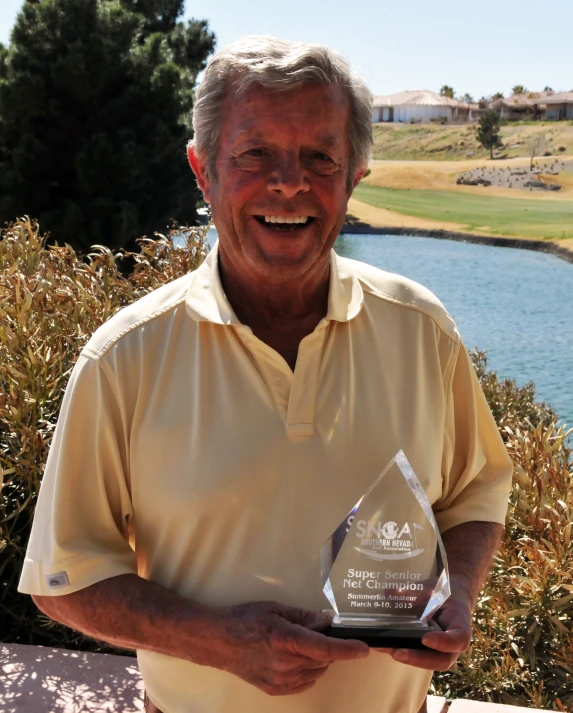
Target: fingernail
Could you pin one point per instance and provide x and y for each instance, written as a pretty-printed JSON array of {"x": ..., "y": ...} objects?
[
  {"x": 401, "y": 655},
  {"x": 363, "y": 653}
]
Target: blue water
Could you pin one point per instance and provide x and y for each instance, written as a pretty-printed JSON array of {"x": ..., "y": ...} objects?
[{"x": 516, "y": 304}]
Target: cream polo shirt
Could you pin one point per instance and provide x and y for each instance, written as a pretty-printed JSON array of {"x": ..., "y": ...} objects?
[{"x": 188, "y": 452}]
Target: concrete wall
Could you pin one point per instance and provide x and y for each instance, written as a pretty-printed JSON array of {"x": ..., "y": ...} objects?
[
  {"x": 380, "y": 113},
  {"x": 555, "y": 112},
  {"x": 408, "y": 112},
  {"x": 423, "y": 114}
]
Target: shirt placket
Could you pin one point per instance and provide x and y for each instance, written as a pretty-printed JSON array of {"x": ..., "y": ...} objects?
[
  {"x": 294, "y": 394},
  {"x": 304, "y": 388}
]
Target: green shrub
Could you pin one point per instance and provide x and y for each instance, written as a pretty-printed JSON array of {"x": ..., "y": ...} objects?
[{"x": 51, "y": 301}]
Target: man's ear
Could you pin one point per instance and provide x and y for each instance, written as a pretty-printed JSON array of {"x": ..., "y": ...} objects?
[
  {"x": 359, "y": 175},
  {"x": 200, "y": 171}
]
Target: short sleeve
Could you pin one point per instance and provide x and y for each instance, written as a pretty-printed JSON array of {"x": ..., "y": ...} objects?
[
  {"x": 476, "y": 469},
  {"x": 80, "y": 532}
]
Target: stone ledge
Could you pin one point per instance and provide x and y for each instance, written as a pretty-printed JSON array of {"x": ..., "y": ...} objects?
[
  {"x": 37, "y": 679},
  {"x": 435, "y": 704},
  {"x": 464, "y": 706}
]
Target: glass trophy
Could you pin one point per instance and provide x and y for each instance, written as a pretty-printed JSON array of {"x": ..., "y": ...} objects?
[{"x": 384, "y": 569}]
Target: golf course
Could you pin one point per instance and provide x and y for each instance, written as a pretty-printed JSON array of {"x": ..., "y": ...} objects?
[{"x": 515, "y": 197}]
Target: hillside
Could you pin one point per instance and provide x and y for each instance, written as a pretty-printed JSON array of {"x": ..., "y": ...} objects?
[{"x": 410, "y": 142}]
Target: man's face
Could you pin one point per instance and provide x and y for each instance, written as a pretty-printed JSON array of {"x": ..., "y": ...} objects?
[{"x": 283, "y": 156}]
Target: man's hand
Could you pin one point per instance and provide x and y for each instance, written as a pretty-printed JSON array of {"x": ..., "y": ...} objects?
[
  {"x": 470, "y": 548},
  {"x": 455, "y": 619},
  {"x": 280, "y": 649},
  {"x": 277, "y": 648}
]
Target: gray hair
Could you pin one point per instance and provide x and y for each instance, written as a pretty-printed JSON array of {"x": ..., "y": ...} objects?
[{"x": 279, "y": 65}]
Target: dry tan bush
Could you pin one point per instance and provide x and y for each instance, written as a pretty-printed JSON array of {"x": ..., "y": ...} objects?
[
  {"x": 51, "y": 301},
  {"x": 522, "y": 652}
]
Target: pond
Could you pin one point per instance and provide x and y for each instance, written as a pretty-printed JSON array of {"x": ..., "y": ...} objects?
[{"x": 515, "y": 304}]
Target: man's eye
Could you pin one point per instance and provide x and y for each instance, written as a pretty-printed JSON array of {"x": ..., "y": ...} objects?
[
  {"x": 321, "y": 156},
  {"x": 256, "y": 152}
]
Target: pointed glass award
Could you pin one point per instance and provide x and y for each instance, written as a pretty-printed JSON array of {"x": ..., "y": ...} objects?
[{"x": 384, "y": 569}]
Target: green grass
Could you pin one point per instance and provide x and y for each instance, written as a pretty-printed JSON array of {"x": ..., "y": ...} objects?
[{"x": 506, "y": 216}]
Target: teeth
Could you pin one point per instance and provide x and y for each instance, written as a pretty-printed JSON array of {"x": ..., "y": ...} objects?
[{"x": 281, "y": 219}]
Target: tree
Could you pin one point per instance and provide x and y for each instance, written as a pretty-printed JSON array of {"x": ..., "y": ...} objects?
[
  {"x": 548, "y": 89},
  {"x": 518, "y": 89},
  {"x": 535, "y": 147},
  {"x": 160, "y": 15},
  {"x": 95, "y": 110},
  {"x": 487, "y": 133},
  {"x": 467, "y": 98},
  {"x": 447, "y": 91},
  {"x": 497, "y": 96}
]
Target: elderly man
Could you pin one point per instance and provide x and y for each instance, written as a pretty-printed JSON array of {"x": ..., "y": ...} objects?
[{"x": 215, "y": 433}]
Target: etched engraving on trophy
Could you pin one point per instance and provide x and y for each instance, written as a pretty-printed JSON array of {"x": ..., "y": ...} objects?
[{"x": 385, "y": 566}]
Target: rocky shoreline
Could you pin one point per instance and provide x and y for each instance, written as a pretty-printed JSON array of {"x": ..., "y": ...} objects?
[{"x": 543, "y": 246}]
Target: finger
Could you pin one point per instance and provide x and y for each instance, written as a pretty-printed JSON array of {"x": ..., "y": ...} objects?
[
  {"x": 296, "y": 678},
  {"x": 297, "y": 663},
  {"x": 321, "y": 622},
  {"x": 304, "y": 642},
  {"x": 306, "y": 618},
  {"x": 302, "y": 689},
  {"x": 288, "y": 690},
  {"x": 454, "y": 640},
  {"x": 428, "y": 660}
]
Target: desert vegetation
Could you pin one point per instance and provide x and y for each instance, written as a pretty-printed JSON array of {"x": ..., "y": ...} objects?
[{"x": 51, "y": 301}]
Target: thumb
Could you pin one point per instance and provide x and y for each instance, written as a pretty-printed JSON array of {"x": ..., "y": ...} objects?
[{"x": 316, "y": 621}]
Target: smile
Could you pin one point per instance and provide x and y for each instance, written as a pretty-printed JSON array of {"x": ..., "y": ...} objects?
[{"x": 281, "y": 222}]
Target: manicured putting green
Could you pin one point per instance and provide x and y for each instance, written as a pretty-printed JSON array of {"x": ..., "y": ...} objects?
[{"x": 533, "y": 218}]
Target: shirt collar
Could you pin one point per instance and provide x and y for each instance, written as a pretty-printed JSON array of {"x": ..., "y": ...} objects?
[{"x": 207, "y": 302}]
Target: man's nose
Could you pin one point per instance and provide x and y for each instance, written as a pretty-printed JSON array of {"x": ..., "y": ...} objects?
[{"x": 289, "y": 177}]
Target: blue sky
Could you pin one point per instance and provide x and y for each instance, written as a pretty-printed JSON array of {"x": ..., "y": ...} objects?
[{"x": 478, "y": 47}]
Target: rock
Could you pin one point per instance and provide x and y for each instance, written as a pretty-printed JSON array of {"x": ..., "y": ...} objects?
[
  {"x": 543, "y": 186},
  {"x": 468, "y": 181}
]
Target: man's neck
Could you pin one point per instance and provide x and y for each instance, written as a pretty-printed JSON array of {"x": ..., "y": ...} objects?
[{"x": 280, "y": 312}]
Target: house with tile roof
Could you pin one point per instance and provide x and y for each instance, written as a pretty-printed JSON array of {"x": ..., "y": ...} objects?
[
  {"x": 559, "y": 106},
  {"x": 546, "y": 105},
  {"x": 421, "y": 106}
]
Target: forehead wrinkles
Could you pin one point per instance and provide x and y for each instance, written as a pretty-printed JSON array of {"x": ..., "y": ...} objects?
[
  {"x": 263, "y": 114},
  {"x": 248, "y": 137}
]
